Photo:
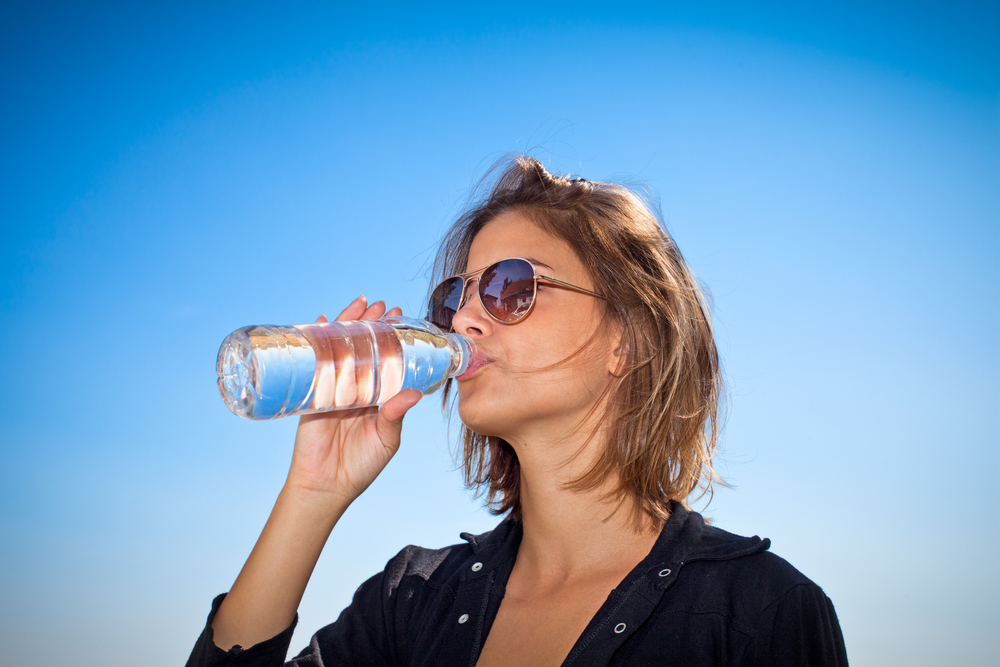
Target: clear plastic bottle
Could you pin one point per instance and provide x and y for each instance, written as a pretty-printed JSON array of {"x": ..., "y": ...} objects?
[{"x": 267, "y": 372}]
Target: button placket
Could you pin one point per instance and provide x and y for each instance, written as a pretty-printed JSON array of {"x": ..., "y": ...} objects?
[{"x": 621, "y": 622}]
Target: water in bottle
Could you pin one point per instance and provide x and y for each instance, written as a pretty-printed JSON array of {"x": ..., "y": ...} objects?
[{"x": 266, "y": 372}]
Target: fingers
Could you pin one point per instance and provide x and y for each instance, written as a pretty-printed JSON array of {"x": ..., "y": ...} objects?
[
  {"x": 360, "y": 310},
  {"x": 390, "y": 415},
  {"x": 374, "y": 311},
  {"x": 321, "y": 319},
  {"x": 355, "y": 310}
]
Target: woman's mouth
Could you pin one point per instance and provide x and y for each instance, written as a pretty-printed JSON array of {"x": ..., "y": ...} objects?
[{"x": 479, "y": 360}]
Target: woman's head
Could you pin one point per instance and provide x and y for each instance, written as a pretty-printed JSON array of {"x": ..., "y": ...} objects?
[{"x": 643, "y": 355}]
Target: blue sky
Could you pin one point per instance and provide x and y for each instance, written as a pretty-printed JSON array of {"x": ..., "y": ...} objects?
[{"x": 831, "y": 174}]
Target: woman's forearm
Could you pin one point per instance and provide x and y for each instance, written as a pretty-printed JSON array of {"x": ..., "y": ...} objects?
[{"x": 267, "y": 592}]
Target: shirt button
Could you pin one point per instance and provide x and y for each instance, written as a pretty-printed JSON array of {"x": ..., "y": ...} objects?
[
  {"x": 664, "y": 573},
  {"x": 476, "y": 567},
  {"x": 620, "y": 628},
  {"x": 463, "y": 618}
]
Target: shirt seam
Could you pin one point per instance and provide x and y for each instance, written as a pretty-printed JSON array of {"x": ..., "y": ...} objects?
[{"x": 784, "y": 595}]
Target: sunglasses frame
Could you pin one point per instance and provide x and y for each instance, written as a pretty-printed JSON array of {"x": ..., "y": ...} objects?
[{"x": 535, "y": 277}]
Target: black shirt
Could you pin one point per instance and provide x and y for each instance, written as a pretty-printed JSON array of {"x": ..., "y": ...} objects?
[{"x": 702, "y": 596}]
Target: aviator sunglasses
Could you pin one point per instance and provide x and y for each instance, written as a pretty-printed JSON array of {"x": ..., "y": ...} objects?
[{"x": 506, "y": 289}]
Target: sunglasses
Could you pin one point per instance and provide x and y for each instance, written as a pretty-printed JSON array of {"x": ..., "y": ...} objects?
[{"x": 506, "y": 289}]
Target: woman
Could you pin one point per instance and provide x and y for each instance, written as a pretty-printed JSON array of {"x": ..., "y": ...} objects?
[{"x": 590, "y": 416}]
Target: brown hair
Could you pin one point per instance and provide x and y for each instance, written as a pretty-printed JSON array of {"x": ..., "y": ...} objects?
[{"x": 664, "y": 405}]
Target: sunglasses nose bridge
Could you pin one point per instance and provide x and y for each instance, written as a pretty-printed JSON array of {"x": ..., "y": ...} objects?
[
  {"x": 467, "y": 282},
  {"x": 472, "y": 318}
]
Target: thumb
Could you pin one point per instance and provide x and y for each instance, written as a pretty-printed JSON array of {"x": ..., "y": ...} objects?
[{"x": 390, "y": 415}]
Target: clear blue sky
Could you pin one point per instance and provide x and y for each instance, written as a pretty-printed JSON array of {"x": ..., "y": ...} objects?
[{"x": 169, "y": 175}]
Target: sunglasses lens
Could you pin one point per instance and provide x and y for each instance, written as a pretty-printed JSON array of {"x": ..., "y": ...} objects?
[
  {"x": 445, "y": 301},
  {"x": 508, "y": 289}
]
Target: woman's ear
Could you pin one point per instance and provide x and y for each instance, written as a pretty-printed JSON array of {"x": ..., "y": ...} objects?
[{"x": 619, "y": 354}]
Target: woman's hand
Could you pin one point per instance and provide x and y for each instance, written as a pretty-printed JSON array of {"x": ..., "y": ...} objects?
[{"x": 338, "y": 454}]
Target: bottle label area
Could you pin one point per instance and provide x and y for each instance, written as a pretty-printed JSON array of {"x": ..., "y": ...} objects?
[
  {"x": 267, "y": 372},
  {"x": 357, "y": 364}
]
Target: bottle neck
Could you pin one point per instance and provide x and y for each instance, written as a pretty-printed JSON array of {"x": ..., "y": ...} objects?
[{"x": 464, "y": 348}]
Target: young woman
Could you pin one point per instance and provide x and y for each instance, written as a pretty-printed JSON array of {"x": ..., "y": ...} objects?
[{"x": 590, "y": 416}]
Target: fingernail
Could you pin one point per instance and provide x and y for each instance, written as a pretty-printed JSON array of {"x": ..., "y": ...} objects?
[{"x": 362, "y": 298}]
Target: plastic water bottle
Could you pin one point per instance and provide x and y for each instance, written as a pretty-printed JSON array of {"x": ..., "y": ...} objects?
[{"x": 267, "y": 372}]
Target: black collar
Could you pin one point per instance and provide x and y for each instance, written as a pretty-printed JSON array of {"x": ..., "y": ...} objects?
[{"x": 685, "y": 538}]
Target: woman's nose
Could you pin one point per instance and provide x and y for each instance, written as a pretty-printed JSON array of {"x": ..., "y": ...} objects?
[{"x": 471, "y": 318}]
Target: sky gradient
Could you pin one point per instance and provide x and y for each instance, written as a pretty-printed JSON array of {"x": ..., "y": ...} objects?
[{"x": 831, "y": 175}]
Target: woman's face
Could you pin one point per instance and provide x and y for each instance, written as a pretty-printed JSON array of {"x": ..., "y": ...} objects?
[{"x": 516, "y": 395}]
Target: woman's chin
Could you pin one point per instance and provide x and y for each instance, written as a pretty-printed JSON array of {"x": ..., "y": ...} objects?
[{"x": 483, "y": 417}]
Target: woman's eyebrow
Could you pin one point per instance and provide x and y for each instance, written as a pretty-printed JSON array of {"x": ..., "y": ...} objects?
[{"x": 538, "y": 262}]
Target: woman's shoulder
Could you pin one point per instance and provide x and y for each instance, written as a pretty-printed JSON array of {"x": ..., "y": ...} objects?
[
  {"x": 756, "y": 561},
  {"x": 789, "y": 617},
  {"x": 760, "y": 595},
  {"x": 739, "y": 569},
  {"x": 445, "y": 565},
  {"x": 754, "y": 582},
  {"x": 720, "y": 593}
]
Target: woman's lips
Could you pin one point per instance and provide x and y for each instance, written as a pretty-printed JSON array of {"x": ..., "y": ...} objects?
[{"x": 478, "y": 361}]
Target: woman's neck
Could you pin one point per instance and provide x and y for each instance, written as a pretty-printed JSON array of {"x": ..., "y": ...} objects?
[{"x": 568, "y": 532}]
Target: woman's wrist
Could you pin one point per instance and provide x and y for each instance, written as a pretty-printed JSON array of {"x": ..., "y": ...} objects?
[{"x": 321, "y": 503}]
